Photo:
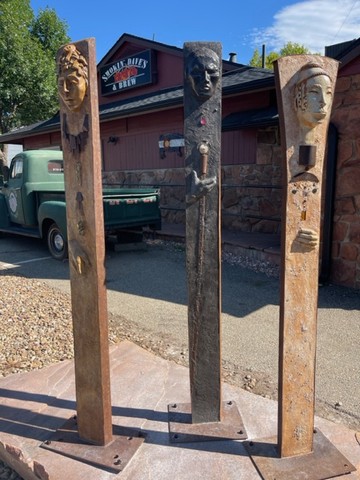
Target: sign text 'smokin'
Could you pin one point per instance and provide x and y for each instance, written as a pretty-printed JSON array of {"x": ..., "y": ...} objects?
[{"x": 118, "y": 66}]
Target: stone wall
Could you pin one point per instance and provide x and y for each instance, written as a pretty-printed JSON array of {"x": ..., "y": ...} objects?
[
  {"x": 346, "y": 236},
  {"x": 251, "y": 193}
]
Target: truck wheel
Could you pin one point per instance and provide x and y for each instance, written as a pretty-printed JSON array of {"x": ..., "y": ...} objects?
[{"x": 57, "y": 245}]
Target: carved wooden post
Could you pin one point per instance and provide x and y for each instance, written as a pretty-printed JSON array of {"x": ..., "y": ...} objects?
[
  {"x": 305, "y": 91},
  {"x": 202, "y": 131},
  {"x": 85, "y": 228}
]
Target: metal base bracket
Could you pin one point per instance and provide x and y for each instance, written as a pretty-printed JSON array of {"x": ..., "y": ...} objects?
[
  {"x": 112, "y": 457},
  {"x": 324, "y": 462},
  {"x": 181, "y": 430}
]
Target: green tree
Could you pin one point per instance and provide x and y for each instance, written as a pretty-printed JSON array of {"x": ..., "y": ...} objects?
[
  {"x": 289, "y": 48},
  {"x": 50, "y": 31},
  {"x": 256, "y": 59},
  {"x": 28, "y": 44}
]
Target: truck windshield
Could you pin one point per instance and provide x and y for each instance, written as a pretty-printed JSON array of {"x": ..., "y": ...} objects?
[{"x": 56, "y": 166}]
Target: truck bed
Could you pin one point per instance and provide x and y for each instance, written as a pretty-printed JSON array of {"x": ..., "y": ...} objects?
[{"x": 130, "y": 207}]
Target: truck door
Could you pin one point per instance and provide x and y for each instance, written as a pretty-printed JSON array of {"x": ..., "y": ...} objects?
[{"x": 13, "y": 191}]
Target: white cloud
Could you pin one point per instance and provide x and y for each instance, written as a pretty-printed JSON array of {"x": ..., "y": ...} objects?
[{"x": 312, "y": 23}]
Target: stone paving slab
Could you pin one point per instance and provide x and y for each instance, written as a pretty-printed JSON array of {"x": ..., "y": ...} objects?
[{"x": 35, "y": 404}]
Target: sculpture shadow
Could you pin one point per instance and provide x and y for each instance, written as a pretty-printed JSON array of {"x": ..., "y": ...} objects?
[
  {"x": 158, "y": 273},
  {"x": 21, "y": 421}
]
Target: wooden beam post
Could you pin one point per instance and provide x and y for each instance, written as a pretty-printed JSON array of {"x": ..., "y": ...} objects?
[{"x": 77, "y": 81}]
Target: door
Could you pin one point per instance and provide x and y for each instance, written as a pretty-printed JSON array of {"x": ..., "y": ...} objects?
[{"x": 13, "y": 191}]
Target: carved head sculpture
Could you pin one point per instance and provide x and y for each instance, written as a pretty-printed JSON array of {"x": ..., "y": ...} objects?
[
  {"x": 313, "y": 94},
  {"x": 72, "y": 69},
  {"x": 203, "y": 71}
]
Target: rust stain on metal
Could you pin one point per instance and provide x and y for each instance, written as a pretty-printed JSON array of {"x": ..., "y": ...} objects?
[
  {"x": 112, "y": 457},
  {"x": 304, "y": 121},
  {"x": 324, "y": 461},
  {"x": 182, "y": 429}
]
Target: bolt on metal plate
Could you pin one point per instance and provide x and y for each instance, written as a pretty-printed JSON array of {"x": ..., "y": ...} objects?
[
  {"x": 181, "y": 430},
  {"x": 112, "y": 457},
  {"x": 325, "y": 461}
]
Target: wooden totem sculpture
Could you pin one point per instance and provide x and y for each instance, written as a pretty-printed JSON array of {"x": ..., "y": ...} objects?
[{"x": 85, "y": 226}]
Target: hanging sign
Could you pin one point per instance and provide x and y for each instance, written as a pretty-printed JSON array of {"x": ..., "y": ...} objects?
[{"x": 130, "y": 72}]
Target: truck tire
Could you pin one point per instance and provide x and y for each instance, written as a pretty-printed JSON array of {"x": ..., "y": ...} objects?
[{"x": 56, "y": 242}]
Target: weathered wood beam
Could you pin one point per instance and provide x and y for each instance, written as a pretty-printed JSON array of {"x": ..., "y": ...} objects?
[{"x": 77, "y": 80}]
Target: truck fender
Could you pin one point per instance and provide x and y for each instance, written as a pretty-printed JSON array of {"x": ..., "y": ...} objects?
[
  {"x": 4, "y": 214},
  {"x": 52, "y": 212}
]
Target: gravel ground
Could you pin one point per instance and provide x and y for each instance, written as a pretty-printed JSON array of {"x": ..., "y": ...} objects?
[
  {"x": 37, "y": 328},
  {"x": 37, "y": 331}
]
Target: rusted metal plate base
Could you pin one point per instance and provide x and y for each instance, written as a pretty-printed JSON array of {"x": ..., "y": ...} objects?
[
  {"x": 182, "y": 430},
  {"x": 112, "y": 457},
  {"x": 324, "y": 462}
]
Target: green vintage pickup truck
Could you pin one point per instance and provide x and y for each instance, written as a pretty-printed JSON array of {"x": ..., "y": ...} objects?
[{"x": 32, "y": 202}]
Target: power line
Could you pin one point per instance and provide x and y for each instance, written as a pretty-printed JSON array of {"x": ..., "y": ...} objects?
[{"x": 347, "y": 16}]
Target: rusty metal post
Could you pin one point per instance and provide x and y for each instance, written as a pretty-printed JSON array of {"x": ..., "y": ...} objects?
[
  {"x": 202, "y": 131},
  {"x": 211, "y": 418},
  {"x": 85, "y": 229},
  {"x": 87, "y": 436},
  {"x": 305, "y": 88}
]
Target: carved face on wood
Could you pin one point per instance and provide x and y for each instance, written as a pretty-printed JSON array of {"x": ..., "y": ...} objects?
[
  {"x": 203, "y": 72},
  {"x": 313, "y": 95},
  {"x": 72, "y": 77}
]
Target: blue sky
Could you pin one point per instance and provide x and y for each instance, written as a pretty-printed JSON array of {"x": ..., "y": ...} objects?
[{"x": 241, "y": 26}]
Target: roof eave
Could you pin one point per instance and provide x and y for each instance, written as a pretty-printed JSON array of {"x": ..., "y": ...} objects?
[{"x": 246, "y": 87}]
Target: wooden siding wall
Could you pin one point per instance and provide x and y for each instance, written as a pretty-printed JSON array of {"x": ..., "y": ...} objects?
[
  {"x": 245, "y": 102},
  {"x": 137, "y": 146},
  {"x": 352, "y": 68},
  {"x": 48, "y": 140},
  {"x": 239, "y": 147},
  {"x": 134, "y": 152}
]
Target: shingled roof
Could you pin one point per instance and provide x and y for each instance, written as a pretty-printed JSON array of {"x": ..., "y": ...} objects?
[
  {"x": 244, "y": 79},
  {"x": 345, "y": 52}
]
